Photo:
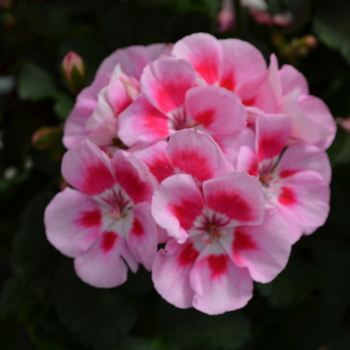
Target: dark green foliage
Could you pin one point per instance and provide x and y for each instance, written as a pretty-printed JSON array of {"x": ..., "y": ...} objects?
[{"x": 43, "y": 304}]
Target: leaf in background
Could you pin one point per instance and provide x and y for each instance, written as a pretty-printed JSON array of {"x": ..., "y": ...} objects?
[
  {"x": 292, "y": 285},
  {"x": 101, "y": 317},
  {"x": 331, "y": 25}
]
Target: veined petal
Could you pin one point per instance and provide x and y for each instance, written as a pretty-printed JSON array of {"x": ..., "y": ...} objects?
[
  {"x": 143, "y": 123},
  {"x": 219, "y": 285},
  {"x": 203, "y": 51},
  {"x": 87, "y": 168},
  {"x": 164, "y": 83},
  {"x": 73, "y": 221},
  {"x": 236, "y": 195},
  {"x": 170, "y": 273},
  {"x": 215, "y": 110},
  {"x": 197, "y": 154},
  {"x": 176, "y": 204}
]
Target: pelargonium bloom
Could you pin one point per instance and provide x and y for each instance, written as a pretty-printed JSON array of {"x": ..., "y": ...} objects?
[
  {"x": 223, "y": 240},
  {"x": 107, "y": 220},
  {"x": 131, "y": 62},
  {"x": 171, "y": 100},
  {"x": 296, "y": 181}
]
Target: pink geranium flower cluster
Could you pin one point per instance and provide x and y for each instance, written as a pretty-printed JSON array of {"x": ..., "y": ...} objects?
[{"x": 200, "y": 146}]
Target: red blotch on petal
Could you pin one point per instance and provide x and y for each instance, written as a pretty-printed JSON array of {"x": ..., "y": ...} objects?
[
  {"x": 206, "y": 69},
  {"x": 249, "y": 102},
  {"x": 228, "y": 82},
  {"x": 288, "y": 172},
  {"x": 253, "y": 168},
  {"x": 137, "y": 228},
  {"x": 287, "y": 196},
  {"x": 187, "y": 212},
  {"x": 188, "y": 255},
  {"x": 232, "y": 205},
  {"x": 158, "y": 126},
  {"x": 242, "y": 242},
  {"x": 108, "y": 241},
  {"x": 97, "y": 179},
  {"x": 170, "y": 96},
  {"x": 205, "y": 118},
  {"x": 193, "y": 163},
  {"x": 161, "y": 168},
  {"x": 218, "y": 265},
  {"x": 90, "y": 218},
  {"x": 270, "y": 145}
]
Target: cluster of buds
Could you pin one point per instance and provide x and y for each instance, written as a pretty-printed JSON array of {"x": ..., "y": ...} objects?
[{"x": 199, "y": 145}]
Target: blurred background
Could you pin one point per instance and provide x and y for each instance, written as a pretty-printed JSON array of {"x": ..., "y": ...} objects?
[{"x": 43, "y": 305}]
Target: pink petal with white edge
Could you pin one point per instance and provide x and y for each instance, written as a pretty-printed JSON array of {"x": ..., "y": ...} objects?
[
  {"x": 164, "y": 83},
  {"x": 272, "y": 134},
  {"x": 102, "y": 266},
  {"x": 134, "y": 177},
  {"x": 87, "y": 168},
  {"x": 156, "y": 159},
  {"x": 319, "y": 114},
  {"x": 142, "y": 239},
  {"x": 243, "y": 67},
  {"x": 231, "y": 144},
  {"x": 215, "y": 110},
  {"x": 264, "y": 250},
  {"x": 219, "y": 285},
  {"x": 304, "y": 197},
  {"x": 203, "y": 51},
  {"x": 176, "y": 204},
  {"x": 247, "y": 161},
  {"x": 236, "y": 195},
  {"x": 72, "y": 221},
  {"x": 292, "y": 79},
  {"x": 301, "y": 157},
  {"x": 170, "y": 273},
  {"x": 143, "y": 123},
  {"x": 197, "y": 154}
]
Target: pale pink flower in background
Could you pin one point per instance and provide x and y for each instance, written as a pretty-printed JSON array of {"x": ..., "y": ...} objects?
[
  {"x": 171, "y": 100},
  {"x": 131, "y": 61},
  {"x": 223, "y": 240},
  {"x": 106, "y": 223},
  {"x": 296, "y": 183}
]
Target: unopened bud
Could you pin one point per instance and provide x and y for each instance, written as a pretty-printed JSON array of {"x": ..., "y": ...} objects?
[
  {"x": 45, "y": 137},
  {"x": 74, "y": 71},
  {"x": 310, "y": 41}
]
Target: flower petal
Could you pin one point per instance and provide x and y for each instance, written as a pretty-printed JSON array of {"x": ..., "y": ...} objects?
[
  {"x": 72, "y": 221},
  {"x": 87, "y": 168},
  {"x": 292, "y": 79},
  {"x": 176, "y": 204}
]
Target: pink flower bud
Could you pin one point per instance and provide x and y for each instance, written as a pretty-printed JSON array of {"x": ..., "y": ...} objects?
[
  {"x": 74, "y": 71},
  {"x": 44, "y": 137},
  {"x": 310, "y": 41}
]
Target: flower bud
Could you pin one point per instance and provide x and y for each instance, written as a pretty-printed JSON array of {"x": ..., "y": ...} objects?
[
  {"x": 45, "y": 137},
  {"x": 74, "y": 71}
]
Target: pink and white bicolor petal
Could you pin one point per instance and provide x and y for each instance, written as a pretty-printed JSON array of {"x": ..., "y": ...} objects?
[
  {"x": 238, "y": 196},
  {"x": 219, "y": 284},
  {"x": 292, "y": 80},
  {"x": 102, "y": 265},
  {"x": 243, "y": 67},
  {"x": 165, "y": 82},
  {"x": 215, "y": 110},
  {"x": 272, "y": 134},
  {"x": 156, "y": 159},
  {"x": 170, "y": 272},
  {"x": 264, "y": 249},
  {"x": 87, "y": 168},
  {"x": 176, "y": 204},
  {"x": 203, "y": 51},
  {"x": 73, "y": 221},
  {"x": 301, "y": 157},
  {"x": 303, "y": 198},
  {"x": 142, "y": 239},
  {"x": 134, "y": 177},
  {"x": 197, "y": 154},
  {"x": 142, "y": 123},
  {"x": 247, "y": 161}
]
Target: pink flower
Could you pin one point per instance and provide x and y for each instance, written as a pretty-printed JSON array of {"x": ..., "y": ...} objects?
[
  {"x": 296, "y": 183},
  {"x": 107, "y": 220},
  {"x": 131, "y": 62},
  {"x": 171, "y": 100},
  {"x": 286, "y": 91},
  {"x": 224, "y": 240}
]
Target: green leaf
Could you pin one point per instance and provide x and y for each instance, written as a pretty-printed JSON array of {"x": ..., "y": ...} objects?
[
  {"x": 101, "y": 317},
  {"x": 292, "y": 285},
  {"x": 63, "y": 106},
  {"x": 331, "y": 25}
]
